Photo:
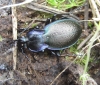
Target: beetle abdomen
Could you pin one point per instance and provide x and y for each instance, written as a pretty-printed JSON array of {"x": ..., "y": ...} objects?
[{"x": 61, "y": 34}]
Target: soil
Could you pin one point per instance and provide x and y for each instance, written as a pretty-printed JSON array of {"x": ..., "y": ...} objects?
[{"x": 45, "y": 68}]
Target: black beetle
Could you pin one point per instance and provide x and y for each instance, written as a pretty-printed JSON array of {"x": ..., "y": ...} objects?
[{"x": 56, "y": 35}]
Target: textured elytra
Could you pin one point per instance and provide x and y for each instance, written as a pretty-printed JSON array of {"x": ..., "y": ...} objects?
[{"x": 62, "y": 34}]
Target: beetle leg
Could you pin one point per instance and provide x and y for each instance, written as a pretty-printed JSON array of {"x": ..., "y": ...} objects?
[
  {"x": 53, "y": 18},
  {"x": 32, "y": 54},
  {"x": 57, "y": 53},
  {"x": 23, "y": 52},
  {"x": 48, "y": 21}
]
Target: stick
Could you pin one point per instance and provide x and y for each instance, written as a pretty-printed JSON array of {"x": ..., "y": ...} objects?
[{"x": 14, "y": 26}]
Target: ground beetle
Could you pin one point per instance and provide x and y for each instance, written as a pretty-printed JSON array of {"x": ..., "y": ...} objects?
[{"x": 56, "y": 35}]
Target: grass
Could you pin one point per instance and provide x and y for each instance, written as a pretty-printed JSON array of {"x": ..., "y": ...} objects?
[
  {"x": 85, "y": 76},
  {"x": 65, "y": 4}
]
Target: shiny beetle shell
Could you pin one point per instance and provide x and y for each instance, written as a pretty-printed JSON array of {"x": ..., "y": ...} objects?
[{"x": 61, "y": 34}]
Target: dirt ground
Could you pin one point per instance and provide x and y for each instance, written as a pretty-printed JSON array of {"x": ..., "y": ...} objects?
[{"x": 45, "y": 68}]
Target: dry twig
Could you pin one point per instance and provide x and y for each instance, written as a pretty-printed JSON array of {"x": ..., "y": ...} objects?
[{"x": 14, "y": 24}]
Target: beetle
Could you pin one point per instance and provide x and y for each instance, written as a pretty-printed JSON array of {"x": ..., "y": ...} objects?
[{"x": 56, "y": 35}]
